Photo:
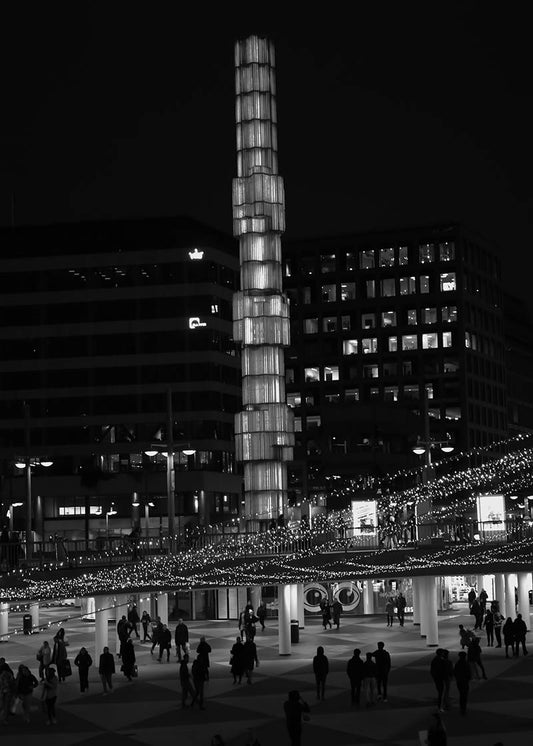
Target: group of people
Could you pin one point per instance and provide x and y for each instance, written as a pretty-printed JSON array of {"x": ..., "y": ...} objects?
[
  {"x": 16, "y": 692},
  {"x": 331, "y": 613},
  {"x": 395, "y": 605}
]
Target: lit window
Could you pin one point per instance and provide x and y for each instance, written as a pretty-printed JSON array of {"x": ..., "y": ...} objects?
[
  {"x": 447, "y": 282},
  {"x": 429, "y": 390},
  {"x": 403, "y": 255},
  {"x": 388, "y": 318},
  {"x": 468, "y": 343},
  {"x": 386, "y": 257},
  {"x": 312, "y": 375},
  {"x": 451, "y": 366},
  {"x": 294, "y": 400},
  {"x": 393, "y": 344},
  {"x": 429, "y": 341},
  {"x": 349, "y": 347},
  {"x": 329, "y": 324},
  {"x": 449, "y": 313},
  {"x": 366, "y": 259},
  {"x": 426, "y": 253},
  {"x": 447, "y": 251},
  {"x": 351, "y": 395},
  {"x": 411, "y": 392},
  {"x": 310, "y": 326},
  {"x": 347, "y": 290},
  {"x": 313, "y": 421},
  {"x": 331, "y": 373},
  {"x": 351, "y": 262},
  {"x": 369, "y": 345},
  {"x": 390, "y": 393},
  {"x": 374, "y": 393},
  {"x": 370, "y": 371},
  {"x": 409, "y": 342},
  {"x": 329, "y": 293},
  {"x": 452, "y": 413},
  {"x": 370, "y": 288},
  {"x": 289, "y": 375},
  {"x": 388, "y": 288},
  {"x": 327, "y": 263},
  {"x": 412, "y": 317},
  {"x": 407, "y": 285},
  {"x": 297, "y": 424},
  {"x": 368, "y": 320},
  {"x": 446, "y": 339},
  {"x": 310, "y": 401},
  {"x": 345, "y": 323},
  {"x": 429, "y": 315},
  {"x": 332, "y": 398},
  {"x": 424, "y": 284}
]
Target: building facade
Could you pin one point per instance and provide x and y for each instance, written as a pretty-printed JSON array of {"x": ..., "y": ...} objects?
[{"x": 99, "y": 322}]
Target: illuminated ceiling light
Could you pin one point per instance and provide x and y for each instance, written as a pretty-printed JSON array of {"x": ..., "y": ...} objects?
[
  {"x": 189, "y": 451},
  {"x": 447, "y": 448},
  {"x": 151, "y": 453},
  {"x": 419, "y": 450},
  {"x": 46, "y": 463}
]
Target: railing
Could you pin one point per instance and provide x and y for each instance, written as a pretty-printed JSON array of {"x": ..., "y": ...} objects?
[{"x": 105, "y": 551}]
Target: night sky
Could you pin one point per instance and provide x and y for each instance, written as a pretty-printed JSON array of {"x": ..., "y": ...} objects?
[{"x": 389, "y": 116}]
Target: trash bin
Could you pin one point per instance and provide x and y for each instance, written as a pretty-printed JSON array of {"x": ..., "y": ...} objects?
[
  {"x": 295, "y": 631},
  {"x": 26, "y": 624}
]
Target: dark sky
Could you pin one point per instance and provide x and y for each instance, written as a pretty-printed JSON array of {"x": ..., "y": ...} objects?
[{"x": 397, "y": 114}]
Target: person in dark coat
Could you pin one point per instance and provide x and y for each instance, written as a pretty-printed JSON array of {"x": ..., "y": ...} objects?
[
  {"x": 337, "y": 611},
  {"x": 508, "y": 636},
  {"x": 401, "y": 603},
  {"x": 133, "y": 619},
  {"x": 237, "y": 660},
  {"x": 165, "y": 643},
  {"x": 128, "y": 660},
  {"x": 261, "y": 614},
  {"x": 25, "y": 683},
  {"x": 106, "y": 669},
  {"x": 59, "y": 654},
  {"x": 354, "y": 669},
  {"x": 488, "y": 623},
  {"x": 83, "y": 661},
  {"x": 326, "y": 613},
  {"x": 370, "y": 674},
  {"x": 203, "y": 650},
  {"x": 186, "y": 684},
  {"x": 519, "y": 634},
  {"x": 438, "y": 670},
  {"x": 294, "y": 708},
  {"x": 383, "y": 664},
  {"x": 181, "y": 638},
  {"x": 473, "y": 656},
  {"x": 199, "y": 677},
  {"x": 157, "y": 628},
  {"x": 461, "y": 671},
  {"x": 477, "y": 612},
  {"x": 471, "y": 597},
  {"x": 498, "y": 622},
  {"x": 250, "y": 658},
  {"x": 123, "y": 632},
  {"x": 321, "y": 670},
  {"x": 145, "y": 621}
]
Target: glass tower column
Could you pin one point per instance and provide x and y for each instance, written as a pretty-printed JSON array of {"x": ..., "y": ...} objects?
[{"x": 264, "y": 429}]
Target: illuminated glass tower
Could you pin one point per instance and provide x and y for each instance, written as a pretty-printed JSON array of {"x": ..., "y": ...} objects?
[{"x": 264, "y": 430}]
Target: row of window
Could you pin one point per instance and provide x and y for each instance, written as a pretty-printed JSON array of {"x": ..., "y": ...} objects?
[
  {"x": 371, "y": 258},
  {"x": 447, "y": 366},
  {"x": 408, "y": 317}
]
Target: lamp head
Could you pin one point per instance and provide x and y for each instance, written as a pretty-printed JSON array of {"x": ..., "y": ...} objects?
[
  {"x": 419, "y": 450},
  {"x": 46, "y": 463},
  {"x": 20, "y": 464},
  {"x": 189, "y": 451},
  {"x": 151, "y": 453},
  {"x": 447, "y": 448}
]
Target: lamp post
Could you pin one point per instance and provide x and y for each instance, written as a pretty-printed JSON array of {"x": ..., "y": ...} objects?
[
  {"x": 27, "y": 464},
  {"x": 10, "y": 511}
]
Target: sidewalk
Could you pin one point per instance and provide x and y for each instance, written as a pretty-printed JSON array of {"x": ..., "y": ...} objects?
[{"x": 147, "y": 710}]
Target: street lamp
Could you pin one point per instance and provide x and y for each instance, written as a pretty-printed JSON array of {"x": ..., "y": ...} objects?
[
  {"x": 28, "y": 464},
  {"x": 109, "y": 512},
  {"x": 10, "y": 514}
]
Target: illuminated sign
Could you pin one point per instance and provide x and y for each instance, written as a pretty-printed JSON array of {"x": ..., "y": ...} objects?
[
  {"x": 491, "y": 517},
  {"x": 194, "y": 322},
  {"x": 196, "y": 254},
  {"x": 365, "y": 517}
]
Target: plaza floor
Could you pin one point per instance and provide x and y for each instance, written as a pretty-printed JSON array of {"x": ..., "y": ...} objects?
[{"x": 148, "y": 710}]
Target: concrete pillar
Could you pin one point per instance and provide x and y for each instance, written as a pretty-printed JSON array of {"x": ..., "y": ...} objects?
[
  {"x": 34, "y": 611},
  {"x": 4, "y": 619},
  {"x": 428, "y": 598},
  {"x": 294, "y": 602},
  {"x": 87, "y": 609},
  {"x": 300, "y": 605},
  {"x": 368, "y": 597},
  {"x": 255, "y": 596},
  {"x": 162, "y": 607},
  {"x": 524, "y": 585},
  {"x": 284, "y": 619},
  {"x": 510, "y": 584},
  {"x": 101, "y": 629},
  {"x": 416, "y": 602},
  {"x": 499, "y": 593},
  {"x": 480, "y": 579}
]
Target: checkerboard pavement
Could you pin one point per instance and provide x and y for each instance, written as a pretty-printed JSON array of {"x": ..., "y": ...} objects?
[{"x": 148, "y": 710}]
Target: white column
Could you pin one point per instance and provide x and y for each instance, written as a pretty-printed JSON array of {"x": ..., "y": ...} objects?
[
  {"x": 34, "y": 611},
  {"x": 87, "y": 609},
  {"x": 101, "y": 630},
  {"x": 284, "y": 619},
  {"x": 416, "y": 602},
  {"x": 368, "y": 596},
  {"x": 162, "y": 607},
  {"x": 294, "y": 602},
  {"x": 120, "y": 604},
  {"x": 524, "y": 584},
  {"x": 300, "y": 605},
  {"x": 479, "y": 583},
  {"x": 4, "y": 619},
  {"x": 499, "y": 592},
  {"x": 429, "y": 606},
  {"x": 255, "y": 596},
  {"x": 422, "y": 602},
  {"x": 510, "y": 584}
]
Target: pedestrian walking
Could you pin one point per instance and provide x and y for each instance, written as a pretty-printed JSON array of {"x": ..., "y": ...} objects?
[
  {"x": 326, "y": 613},
  {"x": 401, "y": 603},
  {"x": 49, "y": 695},
  {"x": 389, "y": 611},
  {"x": 44, "y": 656},
  {"x": 106, "y": 669},
  {"x": 519, "y": 634},
  {"x": 199, "y": 677},
  {"x": 321, "y": 670},
  {"x": 186, "y": 684},
  {"x": 465, "y": 636},
  {"x": 59, "y": 655},
  {"x": 237, "y": 660},
  {"x": 181, "y": 638},
  {"x": 488, "y": 624},
  {"x": 261, "y": 614},
  {"x": 165, "y": 643},
  {"x": 250, "y": 658},
  {"x": 471, "y": 598},
  {"x": 498, "y": 622},
  {"x": 83, "y": 661},
  {"x": 383, "y": 665},
  {"x": 448, "y": 679},
  {"x": 438, "y": 670},
  {"x": 7, "y": 692},
  {"x": 128, "y": 667},
  {"x": 157, "y": 628},
  {"x": 462, "y": 675},
  {"x": 123, "y": 633},
  {"x": 145, "y": 621},
  {"x": 473, "y": 656},
  {"x": 370, "y": 672},
  {"x": 25, "y": 683},
  {"x": 483, "y": 597},
  {"x": 354, "y": 670},
  {"x": 133, "y": 619},
  {"x": 508, "y": 636},
  {"x": 337, "y": 611},
  {"x": 295, "y": 708},
  {"x": 477, "y": 613},
  {"x": 203, "y": 650}
]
